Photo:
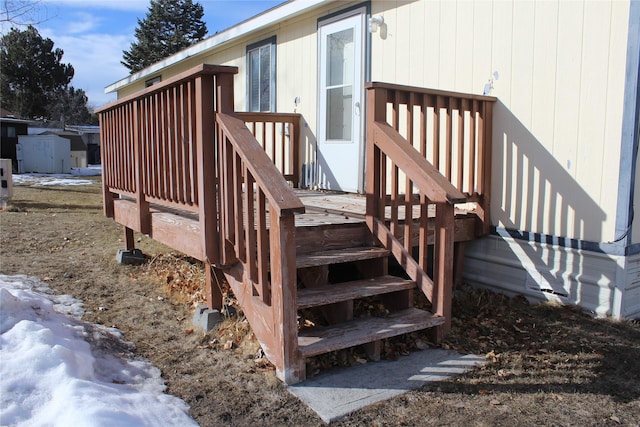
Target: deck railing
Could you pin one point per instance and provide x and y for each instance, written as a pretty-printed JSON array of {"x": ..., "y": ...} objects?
[
  {"x": 179, "y": 144},
  {"x": 279, "y": 136},
  {"x": 410, "y": 170},
  {"x": 451, "y": 130}
]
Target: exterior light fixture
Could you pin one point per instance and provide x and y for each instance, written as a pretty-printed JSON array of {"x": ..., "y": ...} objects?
[{"x": 375, "y": 22}]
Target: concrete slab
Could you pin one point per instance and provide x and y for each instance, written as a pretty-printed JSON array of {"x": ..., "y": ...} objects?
[{"x": 336, "y": 394}]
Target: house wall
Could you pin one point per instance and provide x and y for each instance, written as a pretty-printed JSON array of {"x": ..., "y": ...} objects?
[
  {"x": 602, "y": 284},
  {"x": 296, "y": 65},
  {"x": 560, "y": 84}
]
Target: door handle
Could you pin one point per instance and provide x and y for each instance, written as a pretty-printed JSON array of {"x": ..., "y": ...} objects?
[{"x": 357, "y": 106}]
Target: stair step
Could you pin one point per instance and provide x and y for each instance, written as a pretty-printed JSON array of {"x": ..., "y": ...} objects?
[
  {"x": 338, "y": 256},
  {"x": 314, "y": 297},
  {"x": 314, "y": 341}
]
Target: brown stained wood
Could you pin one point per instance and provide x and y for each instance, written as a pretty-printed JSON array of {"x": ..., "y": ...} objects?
[
  {"x": 179, "y": 233},
  {"x": 443, "y": 267},
  {"x": 258, "y": 313},
  {"x": 427, "y": 91},
  {"x": 262, "y": 242},
  {"x": 126, "y": 213},
  {"x": 404, "y": 258},
  {"x": 281, "y": 197},
  {"x": 448, "y": 150},
  {"x": 462, "y": 107},
  {"x": 330, "y": 237},
  {"x": 212, "y": 287},
  {"x": 339, "y": 256},
  {"x": 485, "y": 173},
  {"x": 208, "y": 214},
  {"x": 283, "y": 297},
  {"x": 322, "y": 295},
  {"x": 428, "y": 179},
  {"x": 251, "y": 233},
  {"x": 436, "y": 131},
  {"x": 188, "y": 75},
  {"x": 129, "y": 242},
  {"x": 312, "y": 342},
  {"x": 472, "y": 147}
]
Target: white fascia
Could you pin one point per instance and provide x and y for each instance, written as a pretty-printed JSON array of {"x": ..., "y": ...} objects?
[{"x": 272, "y": 16}]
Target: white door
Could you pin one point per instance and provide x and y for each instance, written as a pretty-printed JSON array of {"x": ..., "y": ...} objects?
[{"x": 340, "y": 125}]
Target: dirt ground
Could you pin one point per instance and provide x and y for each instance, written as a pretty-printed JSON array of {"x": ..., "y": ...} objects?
[{"x": 546, "y": 365}]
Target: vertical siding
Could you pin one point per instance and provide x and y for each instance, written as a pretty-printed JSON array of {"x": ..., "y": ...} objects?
[
  {"x": 544, "y": 272},
  {"x": 631, "y": 303},
  {"x": 557, "y": 125}
]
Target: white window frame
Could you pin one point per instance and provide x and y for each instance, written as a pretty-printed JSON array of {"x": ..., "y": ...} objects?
[{"x": 266, "y": 45}]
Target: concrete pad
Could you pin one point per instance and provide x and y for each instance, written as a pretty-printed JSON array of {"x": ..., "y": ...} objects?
[{"x": 336, "y": 394}]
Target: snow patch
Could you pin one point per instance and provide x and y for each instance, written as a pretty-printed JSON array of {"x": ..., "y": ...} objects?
[{"x": 57, "y": 370}]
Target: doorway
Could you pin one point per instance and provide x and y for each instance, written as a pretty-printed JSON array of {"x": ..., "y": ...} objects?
[{"x": 340, "y": 149}]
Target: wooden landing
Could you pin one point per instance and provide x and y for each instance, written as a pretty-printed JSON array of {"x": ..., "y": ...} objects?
[{"x": 325, "y": 211}]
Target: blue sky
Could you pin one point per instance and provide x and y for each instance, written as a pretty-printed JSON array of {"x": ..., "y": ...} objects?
[{"x": 93, "y": 34}]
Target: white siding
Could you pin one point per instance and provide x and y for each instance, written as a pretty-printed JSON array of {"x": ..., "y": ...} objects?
[
  {"x": 557, "y": 125},
  {"x": 543, "y": 272}
]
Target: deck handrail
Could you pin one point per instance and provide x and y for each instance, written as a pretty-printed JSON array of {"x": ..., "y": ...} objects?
[
  {"x": 452, "y": 130},
  {"x": 179, "y": 144},
  {"x": 404, "y": 179},
  {"x": 279, "y": 136}
]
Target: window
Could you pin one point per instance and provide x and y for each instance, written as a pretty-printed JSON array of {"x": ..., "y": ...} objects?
[
  {"x": 153, "y": 81},
  {"x": 11, "y": 131},
  {"x": 261, "y": 75}
]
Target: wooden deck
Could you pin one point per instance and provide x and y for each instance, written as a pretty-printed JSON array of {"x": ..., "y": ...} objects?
[{"x": 180, "y": 165}]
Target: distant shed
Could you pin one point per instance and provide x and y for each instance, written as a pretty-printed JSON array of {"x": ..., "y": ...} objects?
[
  {"x": 43, "y": 154},
  {"x": 77, "y": 146}
]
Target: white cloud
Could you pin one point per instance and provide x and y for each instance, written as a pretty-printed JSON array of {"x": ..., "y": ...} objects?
[
  {"x": 82, "y": 22},
  {"x": 96, "y": 60},
  {"x": 125, "y": 5}
]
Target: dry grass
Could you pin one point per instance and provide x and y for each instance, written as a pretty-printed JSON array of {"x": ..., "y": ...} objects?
[{"x": 546, "y": 365}]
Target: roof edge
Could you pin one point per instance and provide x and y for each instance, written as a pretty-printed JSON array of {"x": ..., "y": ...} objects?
[{"x": 262, "y": 20}]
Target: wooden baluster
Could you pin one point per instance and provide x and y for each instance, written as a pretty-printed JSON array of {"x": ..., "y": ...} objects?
[
  {"x": 448, "y": 141},
  {"x": 263, "y": 248},
  {"x": 472, "y": 147},
  {"x": 463, "y": 106}
]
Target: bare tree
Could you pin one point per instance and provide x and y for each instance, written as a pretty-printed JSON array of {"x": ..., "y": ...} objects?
[{"x": 20, "y": 12}]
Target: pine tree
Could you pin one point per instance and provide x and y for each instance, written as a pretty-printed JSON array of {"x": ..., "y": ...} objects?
[
  {"x": 32, "y": 74},
  {"x": 169, "y": 27}
]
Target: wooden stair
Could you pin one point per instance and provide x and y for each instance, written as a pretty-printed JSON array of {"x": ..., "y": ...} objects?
[
  {"x": 319, "y": 340},
  {"x": 336, "y": 300}
]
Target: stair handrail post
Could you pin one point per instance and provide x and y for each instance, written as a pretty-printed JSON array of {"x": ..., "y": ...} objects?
[
  {"x": 282, "y": 241},
  {"x": 376, "y": 112},
  {"x": 443, "y": 263},
  {"x": 207, "y": 194}
]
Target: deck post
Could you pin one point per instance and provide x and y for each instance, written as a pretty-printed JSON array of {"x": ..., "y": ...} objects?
[
  {"x": 129, "y": 242},
  {"x": 443, "y": 266},
  {"x": 144, "y": 215},
  {"x": 207, "y": 196},
  {"x": 283, "y": 297},
  {"x": 376, "y": 111}
]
